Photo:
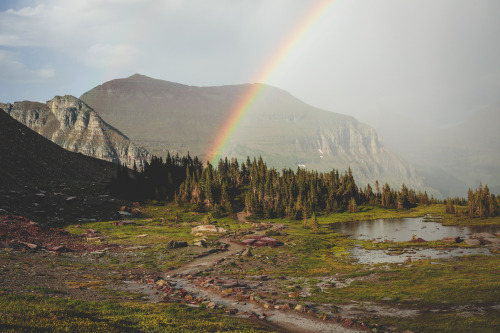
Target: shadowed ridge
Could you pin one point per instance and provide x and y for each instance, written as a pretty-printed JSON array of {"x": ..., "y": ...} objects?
[{"x": 28, "y": 159}]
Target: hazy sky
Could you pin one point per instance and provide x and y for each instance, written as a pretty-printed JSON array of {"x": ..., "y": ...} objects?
[{"x": 439, "y": 59}]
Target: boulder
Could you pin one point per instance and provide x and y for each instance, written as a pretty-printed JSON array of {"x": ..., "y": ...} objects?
[
  {"x": 200, "y": 242},
  {"x": 207, "y": 228},
  {"x": 59, "y": 249},
  {"x": 248, "y": 241},
  {"x": 300, "y": 308},
  {"x": 175, "y": 245},
  {"x": 486, "y": 238},
  {"x": 472, "y": 242}
]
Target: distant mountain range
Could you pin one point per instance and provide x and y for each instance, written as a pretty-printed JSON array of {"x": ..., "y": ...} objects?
[
  {"x": 286, "y": 132},
  {"x": 73, "y": 125}
]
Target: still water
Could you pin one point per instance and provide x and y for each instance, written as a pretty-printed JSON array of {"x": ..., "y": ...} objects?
[{"x": 401, "y": 230}]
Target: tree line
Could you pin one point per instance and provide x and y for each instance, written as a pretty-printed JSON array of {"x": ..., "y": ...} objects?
[
  {"x": 479, "y": 204},
  {"x": 253, "y": 186}
]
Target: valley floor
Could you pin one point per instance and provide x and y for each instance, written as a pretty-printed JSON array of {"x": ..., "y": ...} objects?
[{"x": 146, "y": 274}]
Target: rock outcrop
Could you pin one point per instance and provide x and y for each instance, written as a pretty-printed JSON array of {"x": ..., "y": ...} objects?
[{"x": 73, "y": 125}]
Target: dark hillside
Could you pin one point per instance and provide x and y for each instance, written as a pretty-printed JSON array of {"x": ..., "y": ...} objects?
[{"x": 39, "y": 179}]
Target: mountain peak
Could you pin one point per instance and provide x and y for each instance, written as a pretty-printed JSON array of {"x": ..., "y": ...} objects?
[
  {"x": 139, "y": 76},
  {"x": 165, "y": 116}
]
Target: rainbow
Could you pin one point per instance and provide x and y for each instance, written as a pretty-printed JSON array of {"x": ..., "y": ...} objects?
[{"x": 238, "y": 112}]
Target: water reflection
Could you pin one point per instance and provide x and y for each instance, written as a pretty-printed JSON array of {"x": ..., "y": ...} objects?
[
  {"x": 364, "y": 256},
  {"x": 401, "y": 230}
]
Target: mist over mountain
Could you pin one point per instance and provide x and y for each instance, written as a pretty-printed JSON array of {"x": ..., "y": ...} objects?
[
  {"x": 73, "y": 125},
  {"x": 286, "y": 132},
  {"x": 451, "y": 158}
]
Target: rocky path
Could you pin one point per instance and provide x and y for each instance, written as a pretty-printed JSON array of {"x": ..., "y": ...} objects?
[
  {"x": 201, "y": 264},
  {"x": 185, "y": 284}
]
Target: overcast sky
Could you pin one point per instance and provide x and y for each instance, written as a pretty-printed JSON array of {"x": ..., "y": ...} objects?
[{"x": 437, "y": 58}]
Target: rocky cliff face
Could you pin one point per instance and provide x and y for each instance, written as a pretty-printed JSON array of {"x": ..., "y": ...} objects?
[
  {"x": 285, "y": 131},
  {"x": 75, "y": 126}
]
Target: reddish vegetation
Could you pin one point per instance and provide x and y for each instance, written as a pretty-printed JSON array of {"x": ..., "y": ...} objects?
[
  {"x": 20, "y": 233},
  {"x": 418, "y": 240}
]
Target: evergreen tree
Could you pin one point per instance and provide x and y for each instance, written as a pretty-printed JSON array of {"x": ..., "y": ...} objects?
[{"x": 314, "y": 223}]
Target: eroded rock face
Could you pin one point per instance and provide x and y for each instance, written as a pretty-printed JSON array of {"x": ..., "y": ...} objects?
[
  {"x": 75, "y": 126},
  {"x": 286, "y": 132}
]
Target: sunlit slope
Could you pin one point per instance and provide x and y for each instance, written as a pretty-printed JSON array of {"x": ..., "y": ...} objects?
[{"x": 286, "y": 132}]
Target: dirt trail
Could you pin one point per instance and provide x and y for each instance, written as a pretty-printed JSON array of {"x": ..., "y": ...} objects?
[
  {"x": 201, "y": 264},
  {"x": 287, "y": 321}
]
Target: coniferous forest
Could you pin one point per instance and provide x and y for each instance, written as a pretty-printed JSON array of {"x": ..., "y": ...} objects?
[{"x": 254, "y": 187}]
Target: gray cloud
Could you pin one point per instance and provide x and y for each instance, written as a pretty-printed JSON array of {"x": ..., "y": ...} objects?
[{"x": 438, "y": 58}]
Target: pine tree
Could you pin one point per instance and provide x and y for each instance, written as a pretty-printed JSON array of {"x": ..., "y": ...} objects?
[{"x": 314, "y": 223}]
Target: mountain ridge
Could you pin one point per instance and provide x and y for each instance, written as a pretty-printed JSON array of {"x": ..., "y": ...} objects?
[
  {"x": 73, "y": 125},
  {"x": 286, "y": 132}
]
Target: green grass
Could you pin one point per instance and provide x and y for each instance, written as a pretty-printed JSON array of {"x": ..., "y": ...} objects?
[
  {"x": 306, "y": 257},
  {"x": 452, "y": 322},
  {"x": 464, "y": 280},
  {"x": 45, "y": 314}
]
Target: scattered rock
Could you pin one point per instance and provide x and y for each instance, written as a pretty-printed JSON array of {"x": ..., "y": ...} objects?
[
  {"x": 300, "y": 308},
  {"x": 124, "y": 213},
  {"x": 247, "y": 253},
  {"x": 59, "y": 249},
  {"x": 228, "y": 291},
  {"x": 30, "y": 245},
  {"x": 121, "y": 223},
  {"x": 91, "y": 233},
  {"x": 347, "y": 322},
  {"x": 200, "y": 243},
  {"x": 232, "y": 311},
  {"x": 139, "y": 247}
]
